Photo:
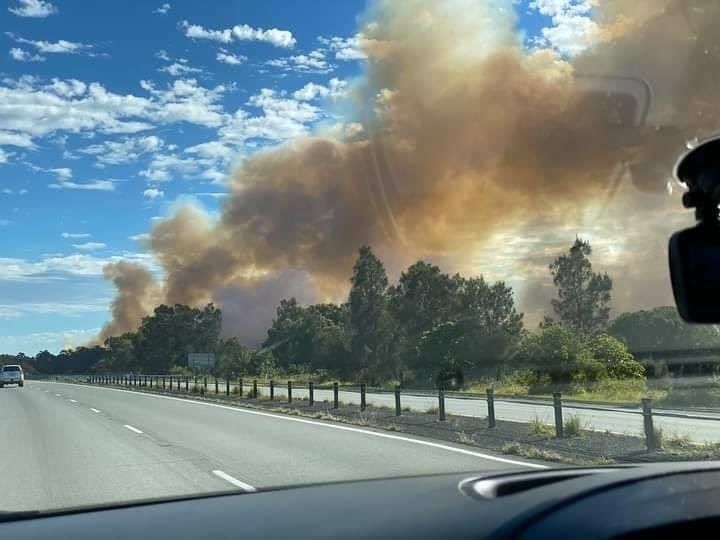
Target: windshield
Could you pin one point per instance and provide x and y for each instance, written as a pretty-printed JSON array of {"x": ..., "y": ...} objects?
[
  {"x": 11, "y": 368},
  {"x": 230, "y": 228}
]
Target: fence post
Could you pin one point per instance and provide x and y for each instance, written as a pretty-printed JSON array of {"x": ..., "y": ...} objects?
[
  {"x": 205, "y": 383},
  {"x": 216, "y": 385},
  {"x": 195, "y": 384},
  {"x": 163, "y": 381},
  {"x": 398, "y": 409},
  {"x": 227, "y": 387},
  {"x": 272, "y": 390},
  {"x": 335, "y": 395},
  {"x": 311, "y": 393},
  {"x": 491, "y": 407},
  {"x": 240, "y": 384},
  {"x": 441, "y": 404},
  {"x": 187, "y": 384},
  {"x": 289, "y": 391},
  {"x": 255, "y": 389},
  {"x": 362, "y": 397},
  {"x": 178, "y": 383},
  {"x": 151, "y": 381},
  {"x": 557, "y": 406},
  {"x": 650, "y": 439}
]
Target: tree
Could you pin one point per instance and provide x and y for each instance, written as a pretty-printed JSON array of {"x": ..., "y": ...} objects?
[
  {"x": 119, "y": 353},
  {"x": 662, "y": 329},
  {"x": 583, "y": 296},
  {"x": 555, "y": 350},
  {"x": 233, "y": 359},
  {"x": 616, "y": 360},
  {"x": 369, "y": 319},
  {"x": 165, "y": 338}
]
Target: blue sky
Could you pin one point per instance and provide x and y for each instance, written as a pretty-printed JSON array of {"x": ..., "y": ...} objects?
[{"x": 113, "y": 112}]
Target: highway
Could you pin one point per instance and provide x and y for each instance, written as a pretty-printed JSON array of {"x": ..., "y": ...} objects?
[{"x": 66, "y": 445}]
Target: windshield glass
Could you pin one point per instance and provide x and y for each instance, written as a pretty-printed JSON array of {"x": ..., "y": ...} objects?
[
  {"x": 11, "y": 368},
  {"x": 447, "y": 220}
]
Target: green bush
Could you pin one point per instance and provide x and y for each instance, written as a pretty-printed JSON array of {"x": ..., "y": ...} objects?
[{"x": 573, "y": 426}]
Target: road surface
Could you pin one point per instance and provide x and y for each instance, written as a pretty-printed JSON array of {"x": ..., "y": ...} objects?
[{"x": 67, "y": 445}]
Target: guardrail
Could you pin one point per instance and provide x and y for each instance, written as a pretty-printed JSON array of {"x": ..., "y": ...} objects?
[{"x": 308, "y": 390}]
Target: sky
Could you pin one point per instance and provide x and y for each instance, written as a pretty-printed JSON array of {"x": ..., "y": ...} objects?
[{"x": 114, "y": 113}]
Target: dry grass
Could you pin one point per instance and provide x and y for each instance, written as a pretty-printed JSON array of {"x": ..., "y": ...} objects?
[{"x": 538, "y": 427}]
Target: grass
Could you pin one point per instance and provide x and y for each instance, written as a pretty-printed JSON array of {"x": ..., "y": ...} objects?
[
  {"x": 659, "y": 437},
  {"x": 573, "y": 426},
  {"x": 538, "y": 427},
  {"x": 679, "y": 440},
  {"x": 532, "y": 452},
  {"x": 464, "y": 438},
  {"x": 432, "y": 410}
]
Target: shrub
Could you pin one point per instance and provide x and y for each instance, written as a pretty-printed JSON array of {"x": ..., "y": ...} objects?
[
  {"x": 573, "y": 426},
  {"x": 195, "y": 389},
  {"x": 540, "y": 428}
]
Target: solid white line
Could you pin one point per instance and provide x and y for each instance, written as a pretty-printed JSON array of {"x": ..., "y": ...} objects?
[
  {"x": 136, "y": 430},
  {"x": 73, "y": 401},
  {"x": 94, "y": 410},
  {"x": 234, "y": 481},
  {"x": 337, "y": 427}
]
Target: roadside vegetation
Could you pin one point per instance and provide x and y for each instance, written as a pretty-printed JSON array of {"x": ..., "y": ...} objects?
[{"x": 429, "y": 329}]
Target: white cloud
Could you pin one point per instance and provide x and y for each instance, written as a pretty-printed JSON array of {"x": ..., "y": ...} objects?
[
  {"x": 89, "y": 246},
  {"x": 195, "y": 31},
  {"x": 163, "y": 55},
  {"x": 186, "y": 101},
  {"x": 124, "y": 151},
  {"x": 345, "y": 48},
  {"x": 241, "y": 32},
  {"x": 33, "y": 8},
  {"x": 9, "y": 311},
  {"x": 52, "y": 341},
  {"x": 279, "y": 38},
  {"x": 61, "y": 46},
  {"x": 162, "y": 10},
  {"x": 142, "y": 237},
  {"x": 572, "y": 30},
  {"x": 60, "y": 266},
  {"x": 176, "y": 69},
  {"x": 93, "y": 185},
  {"x": 31, "y": 109},
  {"x": 336, "y": 88},
  {"x": 227, "y": 57},
  {"x": 4, "y": 156},
  {"x": 8, "y": 191},
  {"x": 214, "y": 150},
  {"x": 8, "y": 138},
  {"x": 153, "y": 193},
  {"x": 282, "y": 118},
  {"x": 165, "y": 167},
  {"x": 23, "y": 56},
  {"x": 63, "y": 173},
  {"x": 75, "y": 235},
  {"x": 303, "y": 63}
]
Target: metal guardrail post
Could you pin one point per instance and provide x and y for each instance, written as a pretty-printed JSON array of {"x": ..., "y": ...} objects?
[
  {"x": 272, "y": 390},
  {"x": 187, "y": 384},
  {"x": 255, "y": 394},
  {"x": 227, "y": 387},
  {"x": 557, "y": 406},
  {"x": 491, "y": 407},
  {"x": 441, "y": 404},
  {"x": 216, "y": 386},
  {"x": 151, "y": 381},
  {"x": 650, "y": 439},
  {"x": 289, "y": 391},
  {"x": 240, "y": 385},
  {"x": 336, "y": 392},
  {"x": 195, "y": 381},
  {"x": 363, "y": 404},
  {"x": 398, "y": 409},
  {"x": 205, "y": 383},
  {"x": 311, "y": 393},
  {"x": 163, "y": 382}
]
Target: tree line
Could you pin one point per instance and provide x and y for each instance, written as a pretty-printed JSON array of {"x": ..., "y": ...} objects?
[{"x": 428, "y": 328}]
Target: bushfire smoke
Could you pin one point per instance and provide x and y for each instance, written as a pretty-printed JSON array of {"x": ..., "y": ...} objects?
[{"x": 467, "y": 133}]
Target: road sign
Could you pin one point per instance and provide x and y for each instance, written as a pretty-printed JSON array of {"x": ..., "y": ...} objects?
[{"x": 201, "y": 360}]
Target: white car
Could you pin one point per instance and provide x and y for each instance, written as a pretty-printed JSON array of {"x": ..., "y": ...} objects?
[{"x": 12, "y": 374}]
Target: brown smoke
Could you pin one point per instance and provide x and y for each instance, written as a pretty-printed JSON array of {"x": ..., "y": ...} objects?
[
  {"x": 137, "y": 294},
  {"x": 466, "y": 134}
]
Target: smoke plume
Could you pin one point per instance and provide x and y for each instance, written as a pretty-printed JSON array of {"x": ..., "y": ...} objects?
[{"x": 468, "y": 135}]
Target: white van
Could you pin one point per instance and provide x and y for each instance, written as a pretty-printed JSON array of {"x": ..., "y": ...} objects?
[{"x": 12, "y": 374}]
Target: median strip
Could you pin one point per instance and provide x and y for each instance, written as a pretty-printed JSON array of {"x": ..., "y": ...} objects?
[
  {"x": 133, "y": 429},
  {"x": 234, "y": 481}
]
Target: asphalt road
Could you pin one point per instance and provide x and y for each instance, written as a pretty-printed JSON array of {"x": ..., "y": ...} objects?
[
  {"x": 601, "y": 418},
  {"x": 65, "y": 445}
]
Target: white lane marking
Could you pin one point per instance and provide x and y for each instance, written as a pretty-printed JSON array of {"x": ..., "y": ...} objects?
[
  {"x": 339, "y": 428},
  {"x": 46, "y": 391},
  {"x": 58, "y": 395},
  {"x": 73, "y": 401},
  {"x": 234, "y": 481},
  {"x": 136, "y": 430},
  {"x": 94, "y": 410}
]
